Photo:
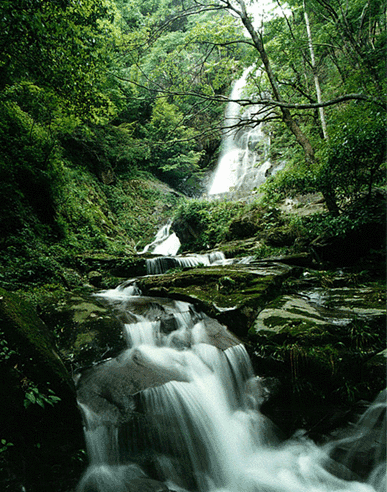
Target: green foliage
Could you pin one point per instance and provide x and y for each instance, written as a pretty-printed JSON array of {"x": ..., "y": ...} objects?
[
  {"x": 64, "y": 47},
  {"x": 209, "y": 221},
  {"x": 140, "y": 205},
  {"x": 332, "y": 358},
  {"x": 173, "y": 150},
  {"x": 34, "y": 396},
  {"x": 5, "y": 445},
  {"x": 355, "y": 217},
  {"x": 5, "y": 351},
  {"x": 351, "y": 163},
  {"x": 356, "y": 152}
]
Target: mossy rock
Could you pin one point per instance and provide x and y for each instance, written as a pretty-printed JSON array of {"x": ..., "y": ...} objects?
[
  {"x": 324, "y": 345},
  {"x": 253, "y": 222},
  {"x": 28, "y": 335},
  {"x": 86, "y": 329},
  {"x": 281, "y": 236},
  {"x": 325, "y": 308},
  {"x": 231, "y": 294},
  {"x": 117, "y": 266},
  {"x": 39, "y": 412}
]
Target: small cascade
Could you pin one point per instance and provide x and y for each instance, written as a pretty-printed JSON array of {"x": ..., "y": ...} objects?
[
  {"x": 181, "y": 405},
  {"x": 161, "y": 264},
  {"x": 165, "y": 243}
]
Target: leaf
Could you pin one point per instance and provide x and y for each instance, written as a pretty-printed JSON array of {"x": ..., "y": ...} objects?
[
  {"x": 31, "y": 397},
  {"x": 40, "y": 402}
]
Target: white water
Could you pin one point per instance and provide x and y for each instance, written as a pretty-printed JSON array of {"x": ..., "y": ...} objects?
[
  {"x": 225, "y": 175},
  {"x": 163, "y": 263},
  {"x": 204, "y": 427},
  {"x": 243, "y": 163},
  {"x": 165, "y": 243}
]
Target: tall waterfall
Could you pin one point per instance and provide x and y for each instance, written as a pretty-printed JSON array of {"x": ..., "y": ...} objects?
[
  {"x": 179, "y": 410},
  {"x": 243, "y": 162}
]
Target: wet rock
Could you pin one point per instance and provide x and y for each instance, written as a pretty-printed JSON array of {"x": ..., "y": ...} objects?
[
  {"x": 317, "y": 309},
  {"x": 119, "y": 479},
  {"x": 105, "y": 386},
  {"x": 325, "y": 346},
  {"x": 109, "y": 388},
  {"x": 121, "y": 267}
]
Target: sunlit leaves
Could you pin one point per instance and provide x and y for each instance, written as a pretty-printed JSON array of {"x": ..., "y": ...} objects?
[{"x": 65, "y": 47}]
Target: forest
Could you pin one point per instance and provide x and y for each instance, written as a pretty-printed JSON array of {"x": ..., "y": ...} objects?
[{"x": 111, "y": 123}]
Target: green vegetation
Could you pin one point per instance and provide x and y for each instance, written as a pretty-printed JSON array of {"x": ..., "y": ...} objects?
[
  {"x": 204, "y": 224},
  {"x": 97, "y": 99},
  {"x": 110, "y": 123},
  {"x": 33, "y": 395}
]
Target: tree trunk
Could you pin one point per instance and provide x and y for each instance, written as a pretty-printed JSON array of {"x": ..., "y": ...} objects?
[
  {"x": 286, "y": 115},
  {"x": 315, "y": 76},
  {"x": 301, "y": 138}
]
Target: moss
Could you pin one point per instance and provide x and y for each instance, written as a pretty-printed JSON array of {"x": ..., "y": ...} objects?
[
  {"x": 84, "y": 310},
  {"x": 301, "y": 312},
  {"x": 84, "y": 339},
  {"x": 24, "y": 330},
  {"x": 86, "y": 330},
  {"x": 232, "y": 294}
]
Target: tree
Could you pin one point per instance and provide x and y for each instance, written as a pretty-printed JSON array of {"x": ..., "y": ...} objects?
[
  {"x": 62, "y": 46},
  {"x": 55, "y": 59},
  {"x": 174, "y": 69},
  {"x": 341, "y": 37},
  {"x": 315, "y": 74}
]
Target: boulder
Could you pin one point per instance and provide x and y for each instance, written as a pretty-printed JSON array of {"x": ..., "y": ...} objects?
[
  {"x": 110, "y": 387},
  {"x": 319, "y": 309},
  {"x": 117, "y": 267},
  {"x": 86, "y": 329},
  {"x": 232, "y": 294},
  {"x": 326, "y": 347}
]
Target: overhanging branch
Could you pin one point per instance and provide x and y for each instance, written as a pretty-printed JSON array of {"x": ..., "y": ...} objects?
[
  {"x": 322, "y": 104},
  {"x": 263, "y": 102}
]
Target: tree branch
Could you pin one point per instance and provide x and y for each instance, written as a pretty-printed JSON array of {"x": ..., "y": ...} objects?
[
  {"x": 332, "y": 102},
  {"x": 263, "y": 102}
]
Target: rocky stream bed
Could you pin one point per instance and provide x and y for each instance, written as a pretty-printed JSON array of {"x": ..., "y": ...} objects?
[{"x": 315, "y": 338}]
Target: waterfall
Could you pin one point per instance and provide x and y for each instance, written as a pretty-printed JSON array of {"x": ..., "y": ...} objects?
[
  {"x": 181, "y": 405},
  {"x": 243, "y": 162},
  {"x": 165, "y": 243},
  {"x": 163, "y": 263}
]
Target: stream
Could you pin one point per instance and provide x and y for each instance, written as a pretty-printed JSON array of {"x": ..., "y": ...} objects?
[{"x": 179, "y": 410}]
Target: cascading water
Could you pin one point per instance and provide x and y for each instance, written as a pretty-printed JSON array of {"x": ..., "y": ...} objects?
[
  {"x": 179, "y": 410},
  {"x": 165, "y": 242},
  {"x": 243, "y": 163}
]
